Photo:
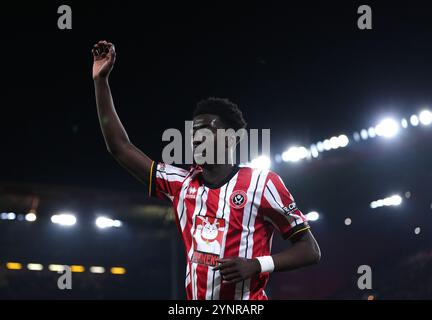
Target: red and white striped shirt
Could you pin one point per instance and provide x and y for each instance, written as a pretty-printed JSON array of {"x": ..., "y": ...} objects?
[{"x": 234, "y": 219}]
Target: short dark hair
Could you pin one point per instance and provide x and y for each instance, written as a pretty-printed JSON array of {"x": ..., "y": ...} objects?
[{"x": 228, "y": 111}]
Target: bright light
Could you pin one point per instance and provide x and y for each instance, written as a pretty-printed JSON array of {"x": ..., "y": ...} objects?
[
  {"x": 35, "y": 266},
  {"x": 312, "y": 216},
  {"x": 387, "y": 128},
  {"x": 356, "y": 136},
  {"x": 11, "y": 216},
  {"x": 64, "y": 219},
  {"x": 104, "y": 222},
  {"x": 414, "y": 120},
  {"x": 394, "y": 200},
  {"x": 334, "y": 142},
  {"x": 364, "y": 134},
  {"x": 295, "y": 154},
  {"x": 30, "y": 217},
  {"x": 347, "y": 221},
  {"x": 320, "y": 146},
  {"x": 117, "y": 223},
  {"x": 343, "y": 141},
  {"x": 425, "y": 117},
  {"x": 118, "y": 270},
  {"x": 4, "y": 216},
  {"x": 404, "y": 123},
  {"x": 417, "y": 230},
  {"x": 314, "y": 151},
  {"x": 97, "y": 269},
  {"x": 371, "y": 132},
  {"x": 56, "y": 267},
  {"x": 327, "y": 145},
  {"x": 262, "y": 162},
  {"x": 14, "y": 266},
  {"x": 77, "y": 268}
]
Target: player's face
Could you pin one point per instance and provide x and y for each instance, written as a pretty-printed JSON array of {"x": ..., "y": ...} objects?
[{"x": 205, "y": 121}]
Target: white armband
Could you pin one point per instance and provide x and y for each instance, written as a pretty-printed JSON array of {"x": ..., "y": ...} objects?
[{"x": 266, "y": 262}]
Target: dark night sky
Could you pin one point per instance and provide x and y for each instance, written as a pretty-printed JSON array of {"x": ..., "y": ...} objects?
[{"x": 305, "y": 71}]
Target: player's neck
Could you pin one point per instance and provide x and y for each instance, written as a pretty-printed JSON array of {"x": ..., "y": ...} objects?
[{"x": 217, "y": 173}]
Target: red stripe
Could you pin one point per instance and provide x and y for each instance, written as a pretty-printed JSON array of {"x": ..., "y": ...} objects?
[{"x": 235, "y": 227}]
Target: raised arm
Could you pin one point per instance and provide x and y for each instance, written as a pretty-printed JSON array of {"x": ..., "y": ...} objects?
[{"x": 116, "y": 138}]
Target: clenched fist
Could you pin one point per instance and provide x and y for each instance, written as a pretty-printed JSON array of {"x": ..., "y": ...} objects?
[{"x": 103, "y": 59}]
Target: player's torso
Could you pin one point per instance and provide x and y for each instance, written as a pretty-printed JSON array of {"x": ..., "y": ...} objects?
[{"x": 222, "y": 222}]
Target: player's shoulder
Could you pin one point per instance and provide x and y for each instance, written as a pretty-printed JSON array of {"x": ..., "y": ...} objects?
[
  {"x": 173, "y": 169},
  {"x": 267, "y": 173}
]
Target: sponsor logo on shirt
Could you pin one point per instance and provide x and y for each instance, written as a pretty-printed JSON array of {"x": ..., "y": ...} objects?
[{"x": 208, "y": 237}]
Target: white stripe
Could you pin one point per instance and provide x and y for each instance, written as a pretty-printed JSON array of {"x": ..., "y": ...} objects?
[
  {"x": 254, "y": 194},
  {"x": 223, "y": 211},
  {"x": 277, "y": 203},
  {"x": 201, "y": 200},
  {"x": 181, "y": 205},
  {"x": 188, "y": 277},
  {"x": 170, "y": 178}
]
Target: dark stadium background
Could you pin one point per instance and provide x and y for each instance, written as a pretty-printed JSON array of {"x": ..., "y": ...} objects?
[{"x": 304, "y": 70}]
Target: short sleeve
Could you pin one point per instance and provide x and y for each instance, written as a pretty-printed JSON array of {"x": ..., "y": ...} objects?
[
  {"x": 166, "y": 180},
  {"x": 279, "y": 208}
]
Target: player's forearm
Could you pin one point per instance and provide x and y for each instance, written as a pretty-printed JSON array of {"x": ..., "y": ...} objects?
[
  {"x": 302, "y": 253},
  {"x": 112, "y": 129}
]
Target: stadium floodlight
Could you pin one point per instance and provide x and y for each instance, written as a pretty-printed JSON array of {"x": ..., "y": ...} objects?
[
  {"x": 327, "y": 145},
  {"x": 372, "y": 132},
  {"x": 56, "y": 267},
  {"x": 11, "y": 216},
  {"x": 387, "y": 128},
  {"x": 295, "y": 154},
  {"x": 64, "y": 219},
  {"x": 77, "y": 268},
  {"x": 343, "y": 141},
  {"x": 356, "y": 136},
  {"x": 118, "y": 270},
  {"x": 35, "y": 266},
  {"x": 334, "y": 143},
  {"x": 364, "y": 134},
  {"x": 13, "y": 265},
  {"x": 404, "y": 123},
  {"x": 314, "y": 151},
  {"x": 320, "y": 146},
  {"x": 394, "y": 200},
  {"x": 414, "y": 120},
  {"x": 425, "y": 117},
  {"x": 312, "y": 216},
  {"x": 261, "y": 162},
  {"x": 348, "y": 221},
  {"x": 97, "y": 269},
  {"x": 30, "y": 217},
  {"x": 104, "y": 222}
]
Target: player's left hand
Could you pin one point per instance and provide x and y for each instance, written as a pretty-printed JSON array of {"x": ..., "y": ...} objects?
[{"x": 237, "y": 269}]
